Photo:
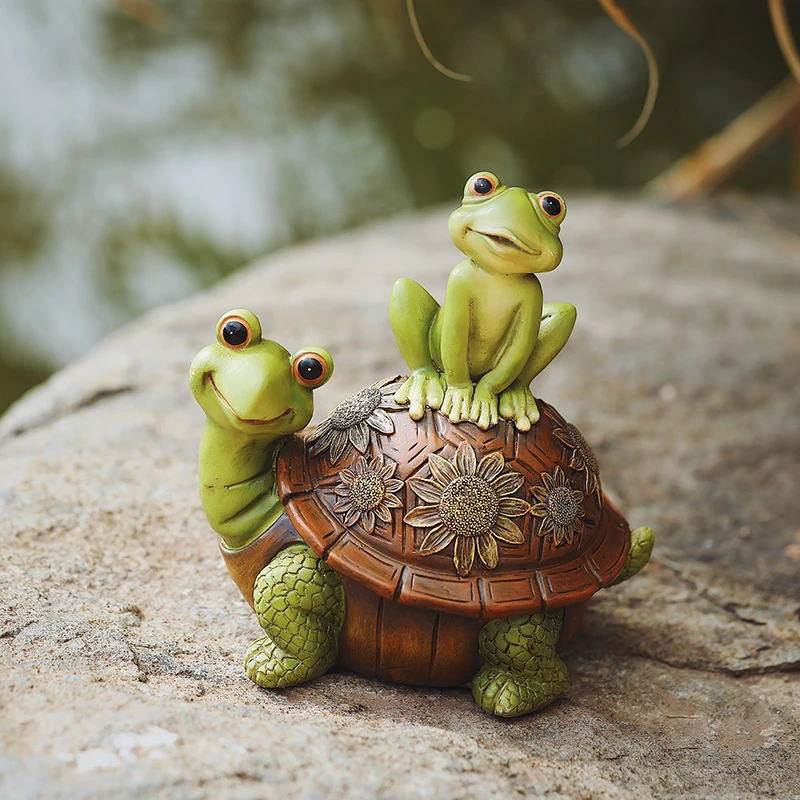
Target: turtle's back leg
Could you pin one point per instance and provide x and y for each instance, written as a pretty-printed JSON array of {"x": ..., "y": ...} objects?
[
  {"x": 299, "y": 601},
  {"x": 521, "y": 670}
]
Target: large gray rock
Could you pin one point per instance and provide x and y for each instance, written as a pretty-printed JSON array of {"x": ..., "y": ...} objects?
[{"x": 121, "y": 636}]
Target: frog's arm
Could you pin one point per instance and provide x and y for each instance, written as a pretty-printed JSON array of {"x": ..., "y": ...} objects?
[
  {"x": 454, "y": 330},
  {"x": 517, "y": 402},
  {"x": 520, "y": 343},
  {"x": 456, "y": 317}
]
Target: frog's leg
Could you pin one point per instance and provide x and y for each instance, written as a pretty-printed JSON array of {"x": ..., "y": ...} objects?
[
  {"x": 642, "y": 541},
  {"x": 412, "y": 312},
  {"x": 521, "y": 670},
  {"x": 299, "y": 602},
  {"x": 516, "y": 402}
]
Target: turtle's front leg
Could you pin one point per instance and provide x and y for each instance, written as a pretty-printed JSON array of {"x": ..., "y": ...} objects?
[
  {"x": 299, "y": 601},
  {"x": 521, "y": 670}
]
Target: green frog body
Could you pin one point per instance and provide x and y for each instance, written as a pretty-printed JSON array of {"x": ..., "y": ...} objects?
[{"x": 474, "y": 357}]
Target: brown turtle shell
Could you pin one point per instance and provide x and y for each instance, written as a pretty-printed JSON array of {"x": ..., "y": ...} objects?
[{"x": 549, "y": 568}]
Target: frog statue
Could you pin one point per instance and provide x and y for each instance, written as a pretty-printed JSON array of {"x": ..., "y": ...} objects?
[
  {"x": 439, "y": 529},
  {"x": 476, "y": 356}
]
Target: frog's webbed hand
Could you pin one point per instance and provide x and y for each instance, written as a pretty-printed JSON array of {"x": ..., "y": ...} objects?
[
  {"x": 517, "y": 404},
  {"x": 483, "y": 411},
  {"x": 424, "y": 387},
  {"x": 457, "y": 402}
]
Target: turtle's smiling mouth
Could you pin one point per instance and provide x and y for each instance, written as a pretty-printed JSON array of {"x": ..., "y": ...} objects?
[
  {"x": 241, "y": 419},
  {"x": 506, "y": 241}
]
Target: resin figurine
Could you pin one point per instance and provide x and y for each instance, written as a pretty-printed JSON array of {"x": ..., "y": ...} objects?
[
  {"x": 474, "y": 357},
  {"x": 419, "y": 551},
  {"x": 442, "y": 528}
]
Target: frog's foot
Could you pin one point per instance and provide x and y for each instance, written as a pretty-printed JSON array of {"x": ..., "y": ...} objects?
[
  {"x": 483, "y": 411},
  {"x": 642, "y": 541},
  {"x": 424, "y": 388},
  {"x": 521, "y": 671},
  {"x": 457, "y": 403},
  {"x": 299, "y": 601},
  {"x": 517, "y": 404}
]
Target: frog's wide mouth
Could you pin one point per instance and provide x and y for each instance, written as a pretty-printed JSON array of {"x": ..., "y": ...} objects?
[
  {"x": 242, "y": 419},
  {"x": 507, "y": 240}
]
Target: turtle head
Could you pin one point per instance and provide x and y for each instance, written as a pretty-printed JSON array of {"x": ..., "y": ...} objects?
[{"x": 254, "y": 386}]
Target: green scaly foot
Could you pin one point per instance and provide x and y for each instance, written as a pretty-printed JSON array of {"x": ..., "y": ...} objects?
[
  {"x": 299, "y": 601},
  {"x": 521, "y": 670}
]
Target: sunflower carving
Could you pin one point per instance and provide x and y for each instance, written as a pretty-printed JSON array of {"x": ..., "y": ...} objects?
[
  {"x": 559, "y": 508},
  {"x": 582, "y": 457},
  {"x": 468, "y": 503},
  {"x": 348, "y": 425},
  {"x": 367, "y": 493}
]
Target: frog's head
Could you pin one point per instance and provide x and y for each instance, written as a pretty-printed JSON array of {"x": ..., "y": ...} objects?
[
  {"x": 507, "y": 230},
  {"x": 255, "y": 386}
]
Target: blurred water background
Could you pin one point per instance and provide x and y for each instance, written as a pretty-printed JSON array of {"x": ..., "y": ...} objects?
[{"x": 149, "y": 148}]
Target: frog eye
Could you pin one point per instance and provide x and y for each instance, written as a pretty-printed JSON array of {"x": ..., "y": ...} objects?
[
  {"x": 310, "y": 369},
  {"x": 482, "y": 184},
  {"x": 234, "y": 332},
  {"x": 552, "y": 205}
]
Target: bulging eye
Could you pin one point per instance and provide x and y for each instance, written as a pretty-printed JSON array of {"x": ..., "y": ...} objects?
[
  {"x": 551, "y": 204},
  {"x": 235, "y": 332},
  {"x": 310, "y": 369},
  {"x": 482, "y": 185}
]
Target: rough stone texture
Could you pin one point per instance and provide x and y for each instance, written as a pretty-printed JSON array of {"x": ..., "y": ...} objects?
[{"x": 121, "y": 636}]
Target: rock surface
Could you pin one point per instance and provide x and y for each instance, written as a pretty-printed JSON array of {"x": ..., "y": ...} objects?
[{"x": 121, "y": 636}]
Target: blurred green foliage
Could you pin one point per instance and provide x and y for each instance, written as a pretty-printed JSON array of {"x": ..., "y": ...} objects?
[
  {"x": 18, "y": 378},
  {"x": 556, "y": 83},
  {"x": 23, "y": 217}
]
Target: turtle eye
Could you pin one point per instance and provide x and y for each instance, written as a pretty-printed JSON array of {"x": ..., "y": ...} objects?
[
  {"x": 551, "y": 204},
  {"x": 482, "y": 185},
  {"x": 234, "y": 332},
  {"x": 310, "y": 369}
]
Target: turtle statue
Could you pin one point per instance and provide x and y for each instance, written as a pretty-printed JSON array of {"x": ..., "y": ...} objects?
[{"x": 436, "y": 529}]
